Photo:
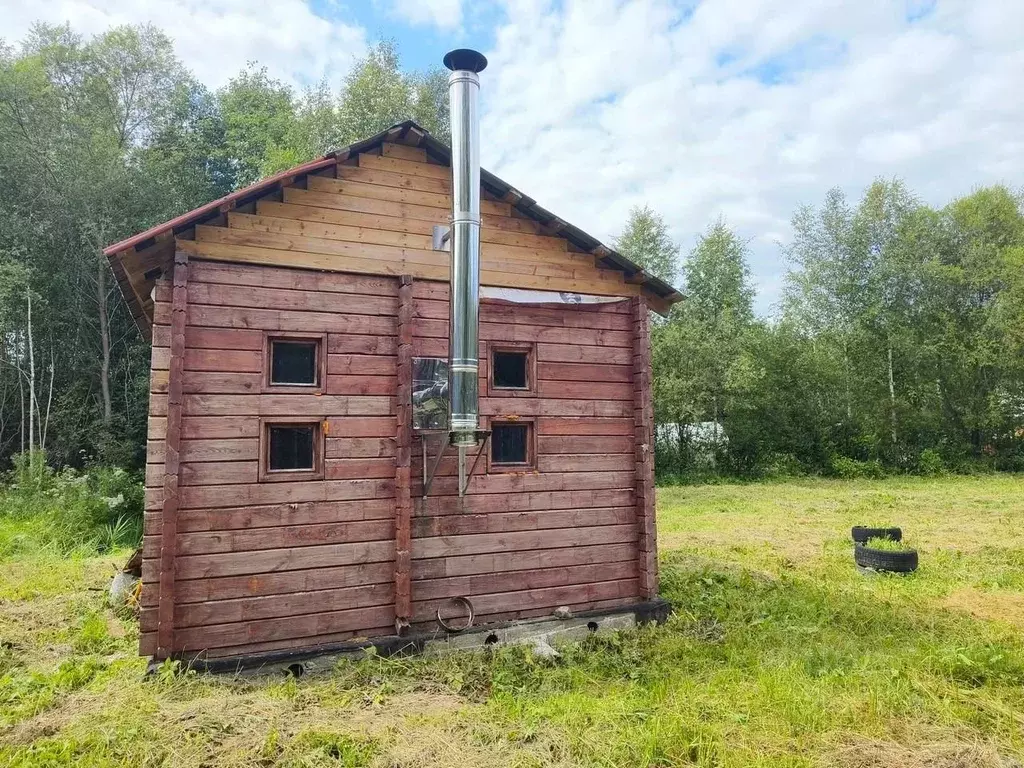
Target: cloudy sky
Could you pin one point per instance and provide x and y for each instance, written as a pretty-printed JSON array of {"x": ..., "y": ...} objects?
[{"x": 736, "y": 108}]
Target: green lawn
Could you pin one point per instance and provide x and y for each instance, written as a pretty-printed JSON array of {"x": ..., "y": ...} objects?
[{"x": 780, "y": 653}]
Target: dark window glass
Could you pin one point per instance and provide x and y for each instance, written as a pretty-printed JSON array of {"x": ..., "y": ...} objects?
[
  {"x": 291, "y": 448},
  {"x": 510, "y": 370},
  {"x": 293, "y": 362},
  {"x": 508, "y": 443}
]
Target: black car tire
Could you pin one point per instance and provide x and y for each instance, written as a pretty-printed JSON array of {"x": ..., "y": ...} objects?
[
  {"x": 894, "y": 561},
  {"x": 861, "y": 534}
]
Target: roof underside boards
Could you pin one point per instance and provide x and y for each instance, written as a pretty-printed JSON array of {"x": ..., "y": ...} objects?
[{"x": 371, "y": 208}]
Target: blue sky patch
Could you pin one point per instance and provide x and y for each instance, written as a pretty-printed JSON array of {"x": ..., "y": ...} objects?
[
  {"x": 918, "y": 10},
  {"x": 816, "y": 53}
]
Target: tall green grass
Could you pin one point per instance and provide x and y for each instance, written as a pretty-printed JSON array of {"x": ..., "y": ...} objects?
[
  {"x": 779, "y": 653},
  {"x": 64, "y": 511}
]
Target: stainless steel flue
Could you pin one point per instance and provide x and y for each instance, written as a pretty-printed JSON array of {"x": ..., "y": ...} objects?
[{"x": 464, "y": 331}]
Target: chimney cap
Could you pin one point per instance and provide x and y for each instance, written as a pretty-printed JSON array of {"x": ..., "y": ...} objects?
[{"x": 465, "y": 58}]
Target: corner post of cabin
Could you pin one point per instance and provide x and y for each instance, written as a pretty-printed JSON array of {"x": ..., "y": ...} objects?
[
  {"x": 403, "y": 446},
  {"x": 643, "y": 436},
  {"x": 169, "y": 510}
]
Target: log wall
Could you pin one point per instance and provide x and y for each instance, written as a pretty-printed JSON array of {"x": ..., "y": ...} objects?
[
  {"x": 262, "y": 566},
  {"x": 265, "y": 566}
]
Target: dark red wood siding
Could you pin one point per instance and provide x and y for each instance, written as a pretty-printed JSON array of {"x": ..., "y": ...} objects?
[{"x": 261, "y": 566}]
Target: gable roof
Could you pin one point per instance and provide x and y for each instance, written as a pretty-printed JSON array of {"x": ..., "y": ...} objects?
[{"x": 141, "y": 259}]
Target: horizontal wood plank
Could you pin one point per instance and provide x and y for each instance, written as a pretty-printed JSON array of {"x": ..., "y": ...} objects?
[
  {"x": 357, "y": 344},
  {"x": 215, "y": 472},
  {"x": 247, "y": 633},
  {"x": 398, "y": 165},
  {"x": 276, "y": 515},
  {"x": 513, "y": 483},
  {"x": 211, "y": 496},
  {"x": 568, "y": 353},
  {"x": 506, "y": 407},
  {"x": 298, "y": 604},
  {"x": 298, "y": 405},
  {"x": 437, "y": 215},
  {"x": 514, "y": 246},
  {"x": 398, "y": 194},
  {"x": 251, "y": 540},
  {"x": 357, "y": 219},
  {"x": 212, "y": 383},
  {"x": 533, "y": 599},
  {"x": 588, "y": 372},
  {"x": 336, "y": 253},
  {"x": 361, "y": 384},
  {"x": 499, "y": 522},
  {"x": 361, "y": 365},
  {"x": 242, "y": 449},
  {"x": 356, "y": 469},
  {"x": 359, "y": 447},
  {"x": 290, "y": 299},
  {"x": 547, "y": 445},
  {"x": 282, "y": 320},
  {"x": 573, "y": 498},
  {"x": 612, "y": 462},
  {"x": 270, "y": 276},
  {"x": 485, "y": 543},
  {"x": 537, "y": 578},
  {"x": 498, "y": 275},
  {"x": 305, "y": 643},
  {"x": 402, "y": 152},
  {"x": 585, "y": 426},
  {"x": 230, "y": 587},
  {"x": 283, "y": 559}
]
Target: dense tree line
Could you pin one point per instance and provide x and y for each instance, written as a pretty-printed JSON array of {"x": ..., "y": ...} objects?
[
  {"x": 101, "y": 138},
  {"x": 898, "y": 346}
]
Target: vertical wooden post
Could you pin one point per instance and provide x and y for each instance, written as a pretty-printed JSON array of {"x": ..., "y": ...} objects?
[
  {"x": 403, "y": 438},
  {"x": 643, "y": 437},
  {"x": 169, "y": 511}
]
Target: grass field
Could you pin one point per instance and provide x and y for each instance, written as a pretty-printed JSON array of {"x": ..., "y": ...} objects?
[{"x": 779, "y": 654}]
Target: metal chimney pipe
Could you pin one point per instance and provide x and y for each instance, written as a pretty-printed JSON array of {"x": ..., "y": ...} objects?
[{"x": 464, "y": 301}]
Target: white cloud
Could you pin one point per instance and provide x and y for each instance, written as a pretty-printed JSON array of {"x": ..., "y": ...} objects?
[
  {"x": 749, "y": 108},
  {"x": 742, "y": 108},
  {"x": 215, "y": 38},
  {"x": 446, "y": 14}
]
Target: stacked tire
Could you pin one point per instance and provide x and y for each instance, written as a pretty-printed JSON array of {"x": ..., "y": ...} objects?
[{"x": 890, "y": 561}]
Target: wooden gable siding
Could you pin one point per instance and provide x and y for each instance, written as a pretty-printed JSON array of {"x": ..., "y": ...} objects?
[
  {"x": 376, "y": 217},
  {"x": 269, "y": 566}
]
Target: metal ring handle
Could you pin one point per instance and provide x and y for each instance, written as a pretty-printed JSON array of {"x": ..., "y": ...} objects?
[{"x": 464, "y": 601}]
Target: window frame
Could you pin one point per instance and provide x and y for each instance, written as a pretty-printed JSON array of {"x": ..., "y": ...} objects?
[
  {"x": 319, "y": 365},
  {"x": 268, "y": 475},
  {"x": 527, "y": 348},
  {"x": 530, "y": 465}
]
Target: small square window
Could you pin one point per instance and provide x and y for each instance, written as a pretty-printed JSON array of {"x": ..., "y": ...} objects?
[
  {"x": 509, "y": 370},
  {"x": 510, "y": 444},
  {"x": 294, "y": 363},
  {"x": 291, "y": 448}
]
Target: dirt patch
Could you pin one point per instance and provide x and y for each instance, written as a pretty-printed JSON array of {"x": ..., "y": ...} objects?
[
  {"x": 871, "y": 753},
  {"x": 995, "y": 606}
]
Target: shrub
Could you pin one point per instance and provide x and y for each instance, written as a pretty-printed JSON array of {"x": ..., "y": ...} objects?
[
  {"x": 930, "y": 463},
  {"x": 851, "y": 469},
  {"x": 783, "y": 465},
  {"x": 97, "y": 509}
]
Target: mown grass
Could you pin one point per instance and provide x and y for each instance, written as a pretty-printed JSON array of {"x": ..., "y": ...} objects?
[{"x": 779, "y": 654}]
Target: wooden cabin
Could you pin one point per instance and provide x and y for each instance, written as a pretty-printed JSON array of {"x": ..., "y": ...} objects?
[{"x": 298, "y": 327}]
